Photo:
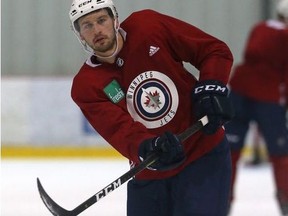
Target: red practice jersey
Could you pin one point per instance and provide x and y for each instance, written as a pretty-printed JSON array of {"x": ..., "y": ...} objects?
[
  {"x": 147, "y": 91},
  {"x": 263, "y": 74}
]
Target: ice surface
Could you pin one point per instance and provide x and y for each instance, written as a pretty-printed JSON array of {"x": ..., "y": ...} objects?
[{"x": 71, "y": 182}]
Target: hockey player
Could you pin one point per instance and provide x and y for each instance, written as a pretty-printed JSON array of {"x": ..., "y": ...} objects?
[
  {"x": 259, "y": 92},
  {"x": 138, "y": 96}
]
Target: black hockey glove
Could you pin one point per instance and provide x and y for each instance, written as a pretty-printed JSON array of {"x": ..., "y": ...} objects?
[
  {"x": 168, "y": 147},
  {"x": 210, "y": 98}
]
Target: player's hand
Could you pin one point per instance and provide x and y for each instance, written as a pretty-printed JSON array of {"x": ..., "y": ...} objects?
[
  {"x": 210, "y": 98},
  {"x": 169, "y": 149}
]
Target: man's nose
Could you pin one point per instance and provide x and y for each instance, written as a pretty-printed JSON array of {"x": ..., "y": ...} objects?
[{"x": 97, "y": 28}]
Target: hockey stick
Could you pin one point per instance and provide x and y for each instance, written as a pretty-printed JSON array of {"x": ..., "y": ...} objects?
[{"x": 57, "y": 210}]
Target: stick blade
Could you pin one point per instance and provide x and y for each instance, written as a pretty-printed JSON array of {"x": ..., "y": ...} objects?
[{"x": 52, "y": 206}]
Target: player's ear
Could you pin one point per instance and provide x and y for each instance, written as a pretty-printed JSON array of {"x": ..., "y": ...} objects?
[{"x": 117, "y": 24}]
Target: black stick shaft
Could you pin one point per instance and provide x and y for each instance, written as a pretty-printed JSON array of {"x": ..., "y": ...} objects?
[{"x": 115, "y": 184}]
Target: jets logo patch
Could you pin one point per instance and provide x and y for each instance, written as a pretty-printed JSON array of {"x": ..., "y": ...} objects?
[{"x": 152, "y": 99}]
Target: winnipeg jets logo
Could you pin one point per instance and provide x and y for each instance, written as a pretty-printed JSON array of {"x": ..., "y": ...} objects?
[{"x": 152, "y": 99}]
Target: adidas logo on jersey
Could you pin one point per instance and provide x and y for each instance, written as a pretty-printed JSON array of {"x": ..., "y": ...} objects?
[{"x": 153, "y": 50}]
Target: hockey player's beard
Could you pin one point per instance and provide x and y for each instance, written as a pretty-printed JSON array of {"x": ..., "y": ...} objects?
[{"x": 105, "y": 47}]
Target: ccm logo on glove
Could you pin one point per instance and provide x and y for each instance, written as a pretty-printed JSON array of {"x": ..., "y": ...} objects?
[
  {"x": 212, "y": 88},
  {"x": 210, "y": 97}
]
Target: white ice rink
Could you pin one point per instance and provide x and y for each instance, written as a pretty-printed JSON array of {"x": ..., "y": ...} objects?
[{"x": 70, "y": 182}]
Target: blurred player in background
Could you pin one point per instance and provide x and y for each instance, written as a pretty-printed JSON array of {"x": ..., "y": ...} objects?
[
  {"x": 135, "y": 92},
  {"x": 259, "y": 92}
]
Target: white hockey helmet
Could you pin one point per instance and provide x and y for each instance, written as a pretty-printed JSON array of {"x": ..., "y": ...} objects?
[
  {"x": 80, "y": 8},
  {"x": 282, "y": 8}
]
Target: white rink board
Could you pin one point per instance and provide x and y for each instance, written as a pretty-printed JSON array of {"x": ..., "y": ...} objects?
[{"x": 41, "y": 112}]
